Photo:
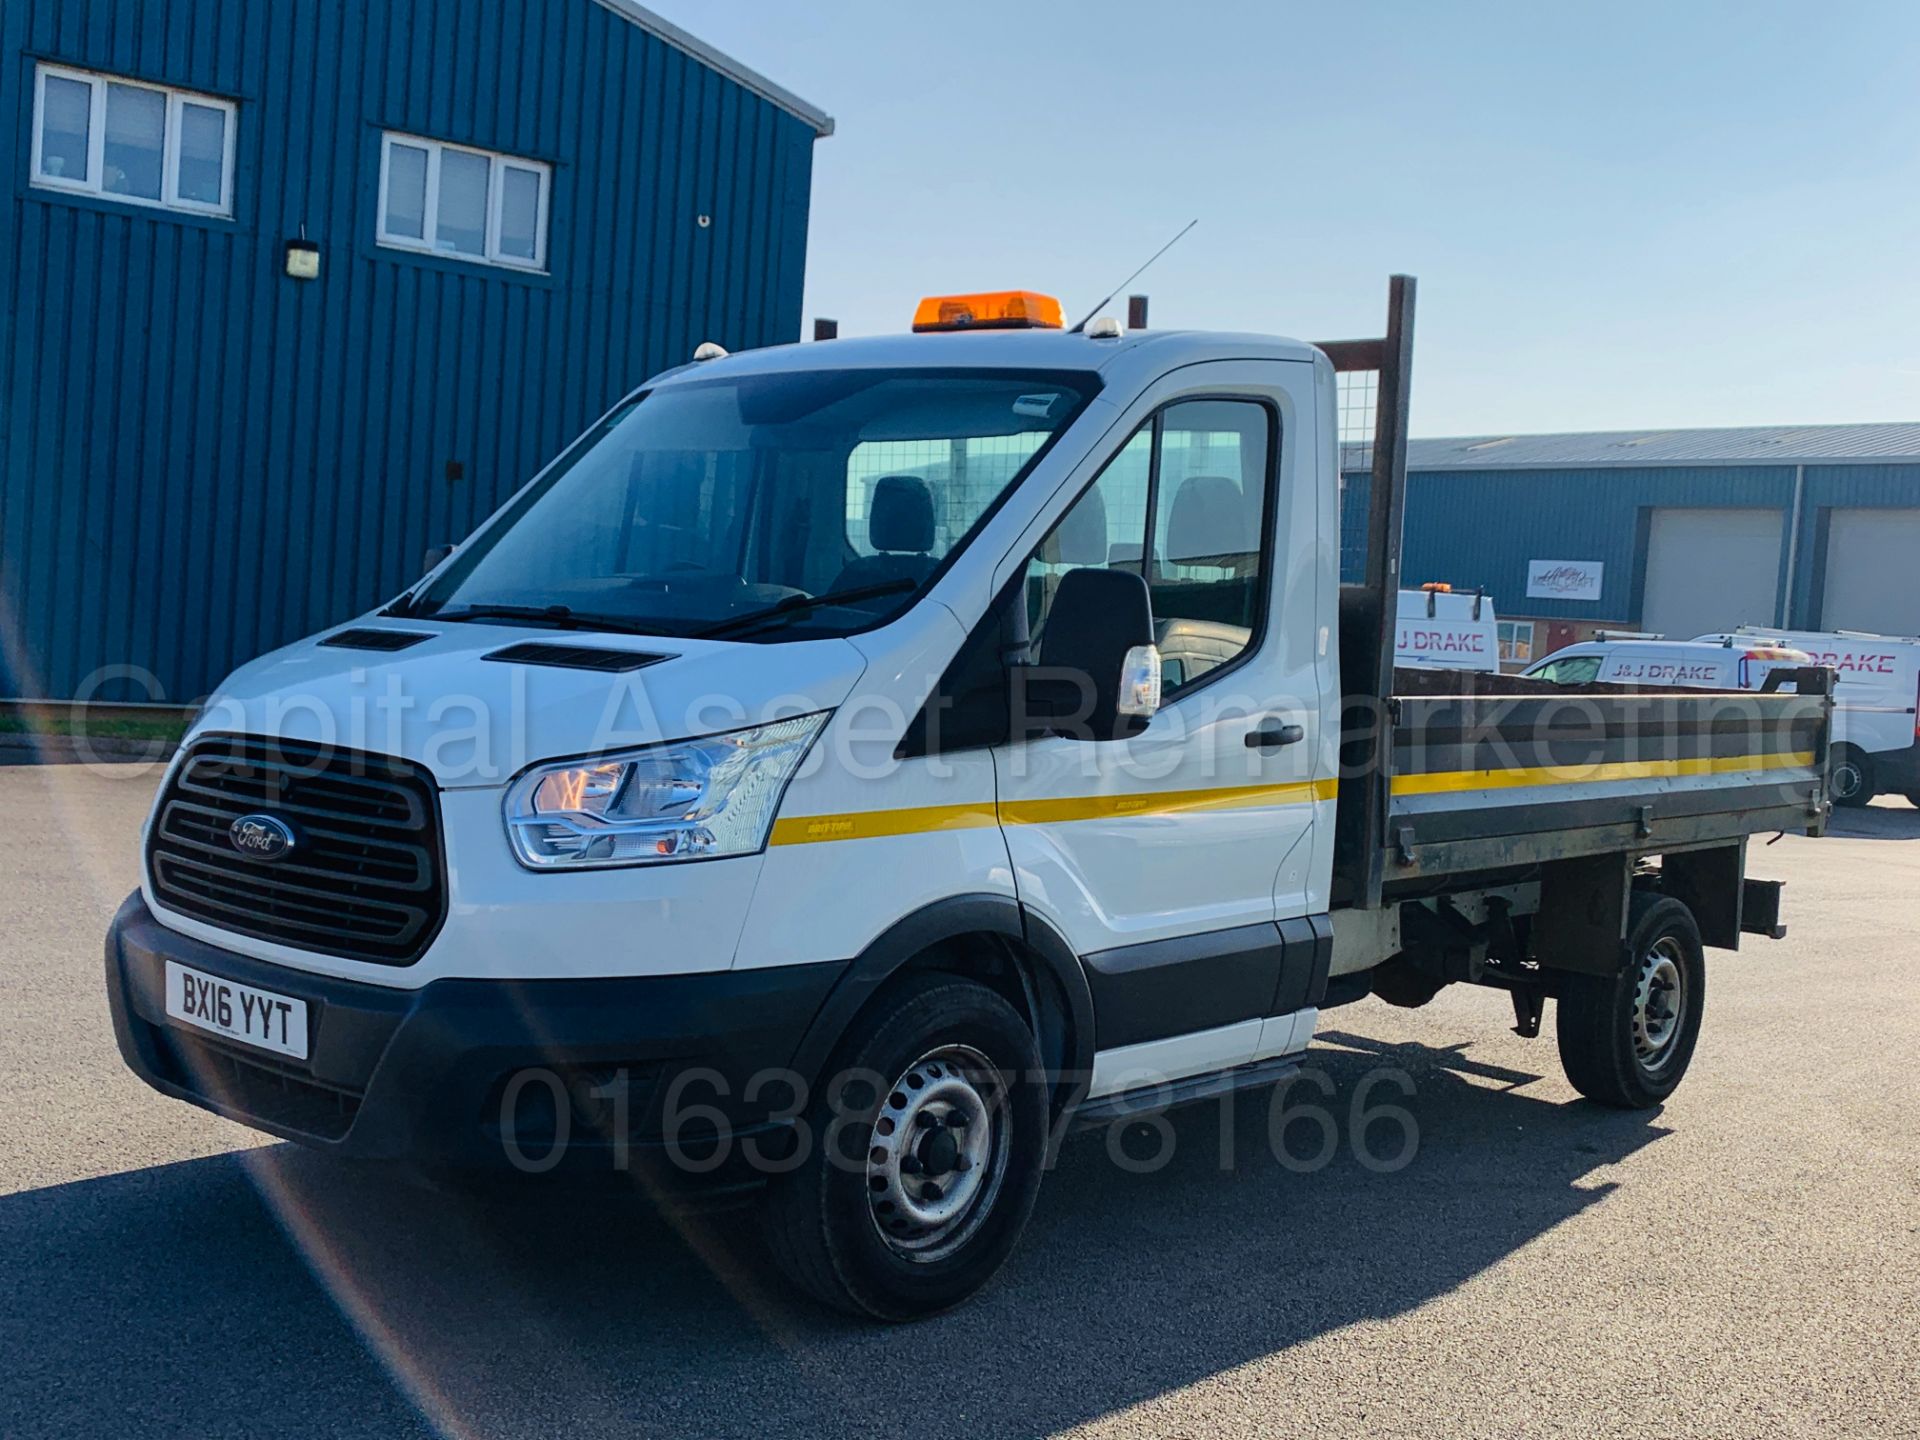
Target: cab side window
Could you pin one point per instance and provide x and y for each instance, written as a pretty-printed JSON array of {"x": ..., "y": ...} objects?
[
  {"x": 1106, "y": 526},
  {"x": 1183, "y": 503}
]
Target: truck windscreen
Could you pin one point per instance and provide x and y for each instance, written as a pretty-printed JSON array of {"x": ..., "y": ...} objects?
[{"x": 712, "y": 501}]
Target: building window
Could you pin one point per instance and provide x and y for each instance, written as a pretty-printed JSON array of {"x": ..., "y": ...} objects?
[
  {"x": 1516, "y": 641},
  {"x": 125, "y": 140},
  {"x": 471, "y": 204}
]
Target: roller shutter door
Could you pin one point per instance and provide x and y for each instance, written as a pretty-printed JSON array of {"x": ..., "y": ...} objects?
[
  {"x": 1711, "y": 570},
  {"x": 1872, "y": 572}
]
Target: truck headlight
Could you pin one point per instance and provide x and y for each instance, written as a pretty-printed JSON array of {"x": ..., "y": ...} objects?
[{"x": 688, "y": 800}]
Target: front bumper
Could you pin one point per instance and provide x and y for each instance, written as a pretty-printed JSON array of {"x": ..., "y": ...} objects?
[{"x": 681, "y": 1075}]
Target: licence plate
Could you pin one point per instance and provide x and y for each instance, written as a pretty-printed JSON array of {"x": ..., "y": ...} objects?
[{"x": 238, "y": 1012}]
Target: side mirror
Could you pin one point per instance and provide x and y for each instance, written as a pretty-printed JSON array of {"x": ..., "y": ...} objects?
[
  {"x": 430, "y": 561},
  {"x": 1098, "y": 673}
]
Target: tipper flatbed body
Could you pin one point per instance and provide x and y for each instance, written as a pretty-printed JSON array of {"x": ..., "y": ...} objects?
[{"x": 1486, "y": 781}]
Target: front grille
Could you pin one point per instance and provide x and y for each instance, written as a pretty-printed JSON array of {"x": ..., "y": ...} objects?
[{"x": 364, "y": 878}]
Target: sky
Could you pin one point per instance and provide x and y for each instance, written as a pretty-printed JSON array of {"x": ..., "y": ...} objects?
[{"x": 1621, "y": 215}]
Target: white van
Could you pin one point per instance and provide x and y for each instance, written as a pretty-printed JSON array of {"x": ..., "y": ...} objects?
[
  {"x": 1721, "y": 664},
  {"x": 1876, "y": 719},
  {"x": 1441, "y": 629}
]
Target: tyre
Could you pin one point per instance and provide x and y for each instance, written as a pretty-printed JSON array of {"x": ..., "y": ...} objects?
[
  {"x": 925, "y": 1148},
  {"x": 1851, "y": 780},
  {"x": 1626, "y": 1040}
]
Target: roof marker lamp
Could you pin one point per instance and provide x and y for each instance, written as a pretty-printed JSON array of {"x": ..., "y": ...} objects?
[
  {"x": 995, "y": 310},
  {"x": 688, "y": 800}
]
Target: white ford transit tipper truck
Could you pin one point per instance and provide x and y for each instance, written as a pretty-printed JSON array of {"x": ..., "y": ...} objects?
[{"x": 849, "y": 762}]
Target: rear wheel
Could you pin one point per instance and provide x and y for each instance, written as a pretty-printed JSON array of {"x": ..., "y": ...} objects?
[
  {"x": 924, "y": 1164},
  {"x": 1626, "y": 1039},
  {"x": 1851, "y": 781}
]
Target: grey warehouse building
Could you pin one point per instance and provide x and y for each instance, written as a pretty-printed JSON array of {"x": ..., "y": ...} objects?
[{"x": 1678, "y": 532}]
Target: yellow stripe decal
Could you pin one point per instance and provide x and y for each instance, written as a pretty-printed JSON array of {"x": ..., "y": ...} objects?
[
  {"x": 932, "y": 819},
  {"x": 872, "y": 824},
  {"x": 1444, "y": 782},
  {"x": 1162, "y": 802}
]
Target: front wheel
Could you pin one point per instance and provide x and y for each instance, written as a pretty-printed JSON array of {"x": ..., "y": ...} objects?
[
  {"x": 1626, "y": 1039},
  {"x": 927, "y": 1140}
]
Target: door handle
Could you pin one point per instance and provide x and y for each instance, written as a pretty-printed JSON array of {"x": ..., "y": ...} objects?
[{"x": 1272, "y": 736}]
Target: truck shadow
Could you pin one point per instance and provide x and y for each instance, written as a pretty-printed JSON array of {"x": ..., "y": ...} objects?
[
  {"x": 195, "y": 1294},
  {"x": 1882, "y": 820}
]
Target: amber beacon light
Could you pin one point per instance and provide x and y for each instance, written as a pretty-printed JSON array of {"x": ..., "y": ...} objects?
[{"x": 996, "y": 310}]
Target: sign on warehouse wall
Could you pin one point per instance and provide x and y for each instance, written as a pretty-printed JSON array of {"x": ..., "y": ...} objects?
[{"x": 1564, "y": 579}]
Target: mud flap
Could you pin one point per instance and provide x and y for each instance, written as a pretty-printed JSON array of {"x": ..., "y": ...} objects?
[{"x": 1582, "y": 923}]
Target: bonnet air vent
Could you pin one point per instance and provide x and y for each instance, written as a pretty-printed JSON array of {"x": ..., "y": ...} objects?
[
  {"x": 574, "y": 657},
  {"x": 376, "y": 639}
]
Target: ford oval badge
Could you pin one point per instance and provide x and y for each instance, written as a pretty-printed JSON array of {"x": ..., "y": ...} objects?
[{"x": 261, "y": 837}]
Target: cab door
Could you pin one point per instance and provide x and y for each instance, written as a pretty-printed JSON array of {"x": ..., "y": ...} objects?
[{"x": 1166, "y": 859}]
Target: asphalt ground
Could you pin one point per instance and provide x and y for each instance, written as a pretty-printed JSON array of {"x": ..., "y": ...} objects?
[{"x": 1745, "y": 1262}]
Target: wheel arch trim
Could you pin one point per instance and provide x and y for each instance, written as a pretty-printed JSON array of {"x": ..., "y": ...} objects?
[{"x": 953, "y": 918}]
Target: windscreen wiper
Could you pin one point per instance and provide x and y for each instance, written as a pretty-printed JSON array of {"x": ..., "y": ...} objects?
[
  {"x": 561, "y": 617},
  {"x": 797, "y": 604},
  {"x": 404, "y": 607}
]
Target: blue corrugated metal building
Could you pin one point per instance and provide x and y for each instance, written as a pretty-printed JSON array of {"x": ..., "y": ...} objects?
[
  {"x": 1680, "y": 532},
  {"x": 517, "y": 209}
]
